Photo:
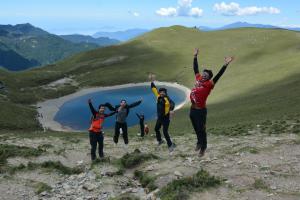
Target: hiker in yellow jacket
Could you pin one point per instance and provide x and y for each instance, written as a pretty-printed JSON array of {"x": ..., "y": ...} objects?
[{"x": 165, "y": 107}]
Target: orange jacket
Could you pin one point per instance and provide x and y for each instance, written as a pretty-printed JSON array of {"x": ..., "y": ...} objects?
[{"x": 96, "y": 123}]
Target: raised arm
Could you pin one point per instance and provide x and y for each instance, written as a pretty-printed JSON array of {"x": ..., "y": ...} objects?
[
  {"x": 138, "y": 115},
  {"x": 195, "y": 62},
  {"x": 153, "y": 86},
  {"x": 154, "y": 89},
  {"x": 135, "y": 104},
  {"x": 110, "y": 114},
  {"x": 228, "y": 60},
  {"x": 93, "y": 111},
  {"x": 110, "y": 107}
]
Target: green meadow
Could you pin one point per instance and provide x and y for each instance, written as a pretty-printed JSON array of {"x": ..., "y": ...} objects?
[{"x": 261, "y": 84}]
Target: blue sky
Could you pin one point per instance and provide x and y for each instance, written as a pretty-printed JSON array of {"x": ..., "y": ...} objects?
[{"x": 90, "y": 16}]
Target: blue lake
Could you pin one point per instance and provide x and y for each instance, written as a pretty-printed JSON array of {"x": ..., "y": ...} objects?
[{"x": 76, "y": 114}]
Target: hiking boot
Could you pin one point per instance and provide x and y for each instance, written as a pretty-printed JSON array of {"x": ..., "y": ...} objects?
[
  {"x": 172, "y": 147},
  {"x": 202, "y": 153},
  {"x": 198, "y": 147},
  {"x": 160, "y": 142}
]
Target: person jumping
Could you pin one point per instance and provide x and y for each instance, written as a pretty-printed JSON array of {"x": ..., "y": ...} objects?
[
  {"x": 142, "y": 125},
  {"x": 198, "y": 98},
  {"x": 95, "y": 130},
  {"x": 165, "y": 107},
  {"x": 122, "y": 111}
]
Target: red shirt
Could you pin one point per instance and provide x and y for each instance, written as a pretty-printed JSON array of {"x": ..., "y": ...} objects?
[{"x": 201, "y": 91}]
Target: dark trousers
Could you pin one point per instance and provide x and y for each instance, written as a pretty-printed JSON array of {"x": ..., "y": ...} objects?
[
  {"x": 198, "y": 118},
  {"x": 142, "y": 126},
  {"x": 96, "y": 138},
  {"x": 117, "y": 132},
  {"x": 164, "y": 122}
]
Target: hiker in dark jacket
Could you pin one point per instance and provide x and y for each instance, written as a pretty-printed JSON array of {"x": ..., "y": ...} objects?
[
  {"x": 122, "y": 111},
  {"x": 165, "y": 107},
  {"x": 142, "y": 125}
]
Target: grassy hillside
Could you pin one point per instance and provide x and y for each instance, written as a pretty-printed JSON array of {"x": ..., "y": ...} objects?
[
  {"x": 27, "y": 46},
  {"x": 14, "y": 61},
  {"x": 262, "y": 83},
  {"x": 101, "y": 41}
]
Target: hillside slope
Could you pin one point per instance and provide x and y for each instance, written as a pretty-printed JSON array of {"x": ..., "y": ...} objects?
[
  {"x": 101, "y": 41},
  {"x": 32, "y": 47},
  {"x": 262, "y": 83}
]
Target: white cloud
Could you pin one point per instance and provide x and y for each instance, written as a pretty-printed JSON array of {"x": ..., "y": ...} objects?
[
  {"x": 136, "y": 14},
  {"x": 167, "y": 12},
  {"x": 183, "y": 9},
  {"x": 234, "y": 9},
  {"x": 185, "y": 3},
  {"x": 196, "y": 12}
]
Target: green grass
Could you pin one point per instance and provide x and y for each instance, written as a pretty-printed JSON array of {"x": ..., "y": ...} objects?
[
  {"x": 252, "y": 150},
  {"x": 145, "y": 179},
  {"x": 17, "y": 116},
  {"x": 45, "y": 147},
  {"x": 42, "y": 187},
  {"x": 8, "y": 151},
  {"x": 288, "y": 124},
  {"x": 100, "y": 161},
  {"x": 262, "y": 83},
  {"x": 55, "y": 166},
  {"x": 131, "y": 160},
  {"x": 47, "y": 166},
  {"x": 125, "y": 197},
  {"x": 182, "y": 188},
  {"x": 260, "y": 184}
]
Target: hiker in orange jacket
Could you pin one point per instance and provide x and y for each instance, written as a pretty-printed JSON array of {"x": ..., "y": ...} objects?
[{"x": 95, "y": 130}]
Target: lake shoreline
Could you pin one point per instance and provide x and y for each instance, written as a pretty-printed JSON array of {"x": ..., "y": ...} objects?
[{"x": 48, "y": 109}]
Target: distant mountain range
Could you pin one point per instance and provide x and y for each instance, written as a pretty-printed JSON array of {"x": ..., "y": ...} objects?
[
  {"x": 101, "y": 41},
  {"x": 121, "y": 35},
  {"x": 245, "y": 25},
  {"x": 24, "y": 46}
]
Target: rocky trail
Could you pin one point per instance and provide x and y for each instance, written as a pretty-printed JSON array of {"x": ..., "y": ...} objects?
[{"x": 257, "y": 165}]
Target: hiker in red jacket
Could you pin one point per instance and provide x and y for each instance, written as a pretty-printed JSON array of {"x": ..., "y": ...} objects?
[{"x": 205, "y": 82}]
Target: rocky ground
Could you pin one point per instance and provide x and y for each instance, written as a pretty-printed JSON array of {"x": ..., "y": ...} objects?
[{"x": 256, "y": 165}]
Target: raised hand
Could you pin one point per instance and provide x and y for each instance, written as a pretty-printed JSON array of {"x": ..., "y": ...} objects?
[
  {"x": 89, "y": 100},
  {"x": 151, "y": 77},
  {"x": 228, "y": 59},
  {"x": 196, "y": 51}
]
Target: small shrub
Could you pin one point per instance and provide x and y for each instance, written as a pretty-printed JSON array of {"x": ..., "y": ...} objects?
[
  {"x": 260, "y": 184},
  {"x": 42, "y": 187},
  {"x": 8, "y": 150},
  {"x": 146, "y": 180},
  {"x": 180, "y": 189},
  {"x": 133, "y": 159}
]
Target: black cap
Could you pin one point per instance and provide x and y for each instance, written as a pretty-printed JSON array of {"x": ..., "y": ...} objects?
[
  {"x": 101, "y": 106},
  {"x": 162, "y": 90}
]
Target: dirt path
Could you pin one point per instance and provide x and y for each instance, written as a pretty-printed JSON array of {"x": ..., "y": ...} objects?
[{"x": 257, "y": 166}]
